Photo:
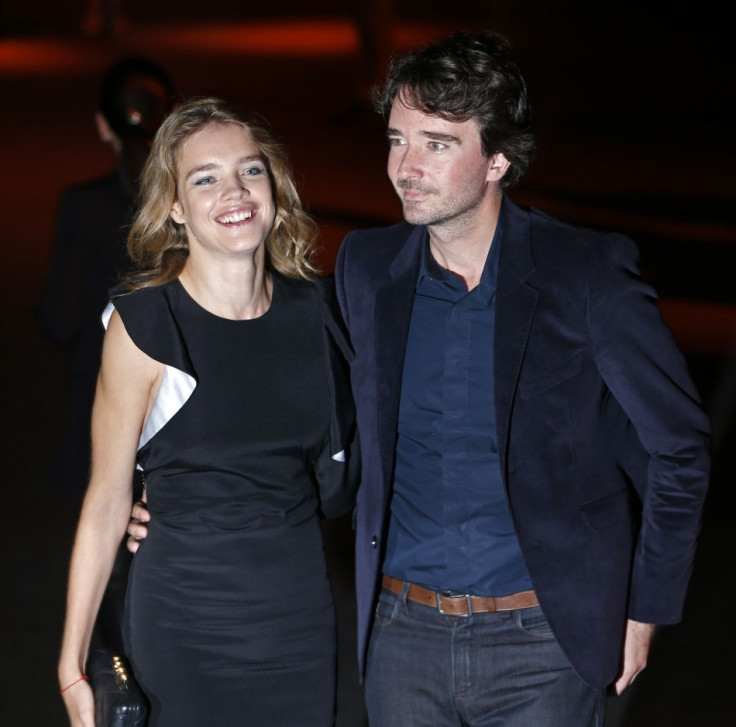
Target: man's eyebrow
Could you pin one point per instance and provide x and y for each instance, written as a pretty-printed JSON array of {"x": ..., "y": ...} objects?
[
  {"x": 433, "y": 135},
  {"x": 439, "y": 136}
]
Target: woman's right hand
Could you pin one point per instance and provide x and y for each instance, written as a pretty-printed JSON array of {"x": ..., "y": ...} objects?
[{"x": 80, "y": 705}]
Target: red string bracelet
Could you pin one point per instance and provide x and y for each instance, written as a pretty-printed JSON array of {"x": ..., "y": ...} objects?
[{"x": 83, "y": 678}]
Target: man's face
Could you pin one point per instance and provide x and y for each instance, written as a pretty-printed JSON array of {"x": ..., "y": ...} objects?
[{"x": 438, "y": 167}]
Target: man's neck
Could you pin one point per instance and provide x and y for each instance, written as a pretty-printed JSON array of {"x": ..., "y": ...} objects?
[{"x": 463, "y": 249}]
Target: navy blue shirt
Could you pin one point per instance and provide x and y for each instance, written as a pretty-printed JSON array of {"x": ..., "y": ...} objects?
[{"x": 450, "y": 527}]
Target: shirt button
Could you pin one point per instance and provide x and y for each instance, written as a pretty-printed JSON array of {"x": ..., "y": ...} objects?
[{"x": 374, "y": 542}]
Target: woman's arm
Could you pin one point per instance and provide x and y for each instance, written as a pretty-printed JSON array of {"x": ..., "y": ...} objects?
[{"x": 126, "y": 388}]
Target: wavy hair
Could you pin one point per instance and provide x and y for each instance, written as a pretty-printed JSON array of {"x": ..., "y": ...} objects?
[
  {"x": 159, "y": 246},
  {"x": 464, "y": 76}
]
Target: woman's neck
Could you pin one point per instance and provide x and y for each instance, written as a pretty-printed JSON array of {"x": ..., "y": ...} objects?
[{"x": 236, "y": 291}]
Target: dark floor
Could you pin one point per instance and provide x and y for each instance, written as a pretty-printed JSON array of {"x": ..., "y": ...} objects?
[{"x": 634, "y": 135}]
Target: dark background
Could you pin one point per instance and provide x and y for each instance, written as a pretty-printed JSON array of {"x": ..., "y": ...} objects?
[{"x": 634, "y": 115}]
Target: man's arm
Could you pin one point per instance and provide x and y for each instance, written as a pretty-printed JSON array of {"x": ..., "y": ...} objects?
[{"x": 647, "y": 375}]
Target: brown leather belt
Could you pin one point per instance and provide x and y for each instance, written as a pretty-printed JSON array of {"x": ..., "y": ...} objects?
[{"x": 462, "y": 605}]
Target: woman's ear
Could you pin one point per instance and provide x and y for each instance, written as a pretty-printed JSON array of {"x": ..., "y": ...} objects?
[{"x": 177, "y": 214}]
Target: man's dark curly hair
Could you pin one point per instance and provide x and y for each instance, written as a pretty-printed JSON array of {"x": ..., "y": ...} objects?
[{"x": 465, "y": 76}]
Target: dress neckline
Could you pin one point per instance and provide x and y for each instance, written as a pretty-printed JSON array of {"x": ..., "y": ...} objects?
[{"x": 235, "y": 321}]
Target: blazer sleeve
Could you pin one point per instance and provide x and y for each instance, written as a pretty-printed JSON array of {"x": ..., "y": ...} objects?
[
  {"x": 646, "y": 373},
  {"x": 337, "y": 468},
  {"x": 340, "y": 281}
]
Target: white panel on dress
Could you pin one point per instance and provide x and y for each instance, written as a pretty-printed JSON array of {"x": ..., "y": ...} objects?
[
  {"x": 107, "y": 314},
  {"x": 173, "y": 392}
]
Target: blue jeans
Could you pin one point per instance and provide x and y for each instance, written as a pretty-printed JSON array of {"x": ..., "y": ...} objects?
[{"x": 500, "y": 669}]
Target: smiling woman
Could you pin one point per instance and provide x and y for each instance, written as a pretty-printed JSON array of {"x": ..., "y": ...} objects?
[
  {"x": 159, "y": 244},
  {"x": 225, "y": 204},
  {"x": 224, "y": 380}
]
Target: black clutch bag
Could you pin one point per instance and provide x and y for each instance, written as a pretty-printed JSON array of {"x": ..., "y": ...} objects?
[{"x": 119, "y": 701}]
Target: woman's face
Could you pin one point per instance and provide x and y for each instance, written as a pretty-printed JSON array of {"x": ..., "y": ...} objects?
[{"x": 224, "y": 197}]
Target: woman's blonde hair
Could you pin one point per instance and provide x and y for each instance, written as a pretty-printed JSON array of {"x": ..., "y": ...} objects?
[{"x": 159, "y": 247}]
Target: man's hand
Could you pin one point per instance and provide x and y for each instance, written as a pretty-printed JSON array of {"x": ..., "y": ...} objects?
[
  {"x": 137, "y": 528},
  {"x": 637, "y": 641}
]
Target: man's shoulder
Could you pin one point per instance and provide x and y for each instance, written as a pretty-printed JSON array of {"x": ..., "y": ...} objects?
[
  {"x": 387, "y": 236},
  {"x": 542, "y": 221},
  {"x": 374, "y": 248},
  {"x": 554, "y": 236}
]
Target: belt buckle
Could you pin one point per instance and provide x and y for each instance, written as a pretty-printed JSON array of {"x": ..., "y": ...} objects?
[{"x": 450, "y": 594}]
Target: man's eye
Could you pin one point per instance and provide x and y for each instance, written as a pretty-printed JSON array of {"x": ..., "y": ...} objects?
[
  {"x": 437, "y": 146},
  {"x": 393, "y": 141}
]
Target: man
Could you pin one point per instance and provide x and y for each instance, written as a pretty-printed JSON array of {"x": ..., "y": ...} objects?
[{"x": 534, "y": 453}]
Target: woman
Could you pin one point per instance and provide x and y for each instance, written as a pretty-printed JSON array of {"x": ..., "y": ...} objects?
[{"x": 223, "y": 377}]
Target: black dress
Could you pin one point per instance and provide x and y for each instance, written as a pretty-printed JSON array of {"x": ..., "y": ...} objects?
[{"x": 229, "y": 614}]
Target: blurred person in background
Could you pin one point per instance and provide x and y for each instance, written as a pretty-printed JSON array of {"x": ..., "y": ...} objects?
[
  {"x": 88, "y": 256},
  {"x": 88, "y": 253}
]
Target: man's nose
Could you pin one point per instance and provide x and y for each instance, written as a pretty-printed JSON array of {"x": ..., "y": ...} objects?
[{"x": 409, "y": 165}]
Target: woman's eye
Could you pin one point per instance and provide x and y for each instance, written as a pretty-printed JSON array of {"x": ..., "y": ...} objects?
[
  {"x": 202, "y": 181},
  {"x": 253, "y": 171}
]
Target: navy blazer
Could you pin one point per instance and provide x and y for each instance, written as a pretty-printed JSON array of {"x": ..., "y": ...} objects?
[{"x": 603, "y": 443}]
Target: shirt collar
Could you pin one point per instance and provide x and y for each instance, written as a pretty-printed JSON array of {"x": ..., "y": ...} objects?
[{"x": 430, "y": 269}]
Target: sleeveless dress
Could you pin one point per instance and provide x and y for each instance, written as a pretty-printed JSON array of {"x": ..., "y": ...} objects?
[{"x": 229, "y": 614}]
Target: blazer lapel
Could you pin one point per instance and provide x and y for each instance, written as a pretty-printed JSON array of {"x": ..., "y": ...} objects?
[
  {"x": 394, "y": 302},
  {"x": 516, "y": 302}
]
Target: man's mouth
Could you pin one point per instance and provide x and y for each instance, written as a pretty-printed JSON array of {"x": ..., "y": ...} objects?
[{"x": 412, "y": 190}]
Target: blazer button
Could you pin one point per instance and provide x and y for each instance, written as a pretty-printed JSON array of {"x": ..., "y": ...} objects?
[{"x": 374, "y": 542}]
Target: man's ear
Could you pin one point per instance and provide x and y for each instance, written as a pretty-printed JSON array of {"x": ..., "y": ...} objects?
[
  {"x": 177, "y": 214},
  {"x": 498, "y": 165}
]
